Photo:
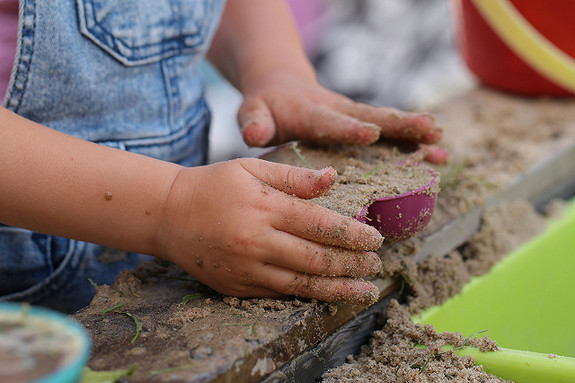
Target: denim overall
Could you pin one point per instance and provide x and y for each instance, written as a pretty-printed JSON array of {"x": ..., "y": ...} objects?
[{"x": 122, "y": 73}]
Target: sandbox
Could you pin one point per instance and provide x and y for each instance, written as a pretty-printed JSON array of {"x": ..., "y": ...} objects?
[{"x": 502, "y": 148}]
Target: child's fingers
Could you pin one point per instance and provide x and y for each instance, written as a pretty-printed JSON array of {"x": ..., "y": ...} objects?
[
  {"x": 394, "y": 123},
  {"x": 330, "y": 289},
  {"x": 292, "y": 180},
  {"x": 435, "y": 154},
  {"x": 317, "y": 123},
  {"x": 315, "y": 223},
  {"x": 305, "y": 219},
  {"x": 308, "y": 257}
]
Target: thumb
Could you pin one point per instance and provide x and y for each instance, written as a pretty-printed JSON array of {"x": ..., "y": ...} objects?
[
  {"x": 256, "y": 122},
  {"x": 301, "y": 182}
]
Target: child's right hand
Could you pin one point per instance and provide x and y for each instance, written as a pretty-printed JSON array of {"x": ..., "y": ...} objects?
[{"x": 240, "y": 228}]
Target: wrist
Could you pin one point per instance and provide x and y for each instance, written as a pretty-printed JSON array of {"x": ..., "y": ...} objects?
[
  {"x": 175, "y": 213},
  {"x": 247, "y": 47}
]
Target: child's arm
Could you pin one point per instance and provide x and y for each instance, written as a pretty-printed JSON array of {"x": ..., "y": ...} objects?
[
  {"x": 236, "y": 226},
  {"x": 61, "y": 185},
  {"x": 258, "y": 49}
]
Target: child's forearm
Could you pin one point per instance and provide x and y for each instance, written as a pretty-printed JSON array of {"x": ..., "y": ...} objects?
[
  {"x": 256, "y": 38},
  {"x": 58, "y": 184}
]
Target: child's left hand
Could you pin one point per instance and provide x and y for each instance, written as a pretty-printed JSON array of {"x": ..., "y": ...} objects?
[{"x": 286, "y": 107}]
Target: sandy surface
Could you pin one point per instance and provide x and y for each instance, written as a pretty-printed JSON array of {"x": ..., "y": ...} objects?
[
  {"x": 433, "y": 280},
  {"x": 207, "y": 337},
  {"x": 186, "y": 328},
  {"x": 392, "y": 356}
]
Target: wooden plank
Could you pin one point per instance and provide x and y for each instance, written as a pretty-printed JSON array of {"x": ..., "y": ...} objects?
[{"x": 332, "y": 351}]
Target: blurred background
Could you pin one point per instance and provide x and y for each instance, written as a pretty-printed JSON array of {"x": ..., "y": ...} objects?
[{"x": 397, "y": 53}]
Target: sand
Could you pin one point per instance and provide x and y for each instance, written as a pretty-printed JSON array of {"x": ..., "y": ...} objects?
[
  {"x": 435, "y": 279},
  {"x": 391, "y": 355},
  {"x": 492, "y": 139},
  {"x": 184, "y": 325}
]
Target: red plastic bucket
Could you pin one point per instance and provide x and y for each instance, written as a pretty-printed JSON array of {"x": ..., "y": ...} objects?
[{"x": 537, "y": 58}]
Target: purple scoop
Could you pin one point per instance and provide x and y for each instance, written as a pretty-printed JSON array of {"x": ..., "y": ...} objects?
[{"x": 400, "y": 217}]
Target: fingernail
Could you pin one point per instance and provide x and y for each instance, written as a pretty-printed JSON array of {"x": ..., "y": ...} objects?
[
  {"x": 373, "y": 127},
  {"x": 436, "y": 155},
  {"x": 375, "y": 239},
  {"x": 255, "y": 134},
  {"x": 370, "y": 294},
  {"x": 371, "y": 133},
  {"x": 323, "y": 179},
  {"x": 319, "y": 174},
  {"x": 433, "y": 136},
  {"x": 249, "y": 134},
  {"x": 246, "y": 125},
  {"x": 375, "y": 266},
  {"x": 428, "y": 118}
]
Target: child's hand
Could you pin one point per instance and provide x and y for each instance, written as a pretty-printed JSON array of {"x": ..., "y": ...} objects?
[
  {"x": 239, "y": 228},
  {"x": 286, "y": 107}
]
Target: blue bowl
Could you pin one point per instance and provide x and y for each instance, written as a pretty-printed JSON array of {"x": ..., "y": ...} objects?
[{"x": 79, "y": 351}]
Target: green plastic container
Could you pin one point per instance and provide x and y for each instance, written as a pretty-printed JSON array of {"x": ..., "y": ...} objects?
[{"x": 527, "y": 304}]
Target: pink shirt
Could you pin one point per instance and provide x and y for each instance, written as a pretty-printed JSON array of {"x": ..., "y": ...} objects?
[{"x": 8, "y": 41}]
